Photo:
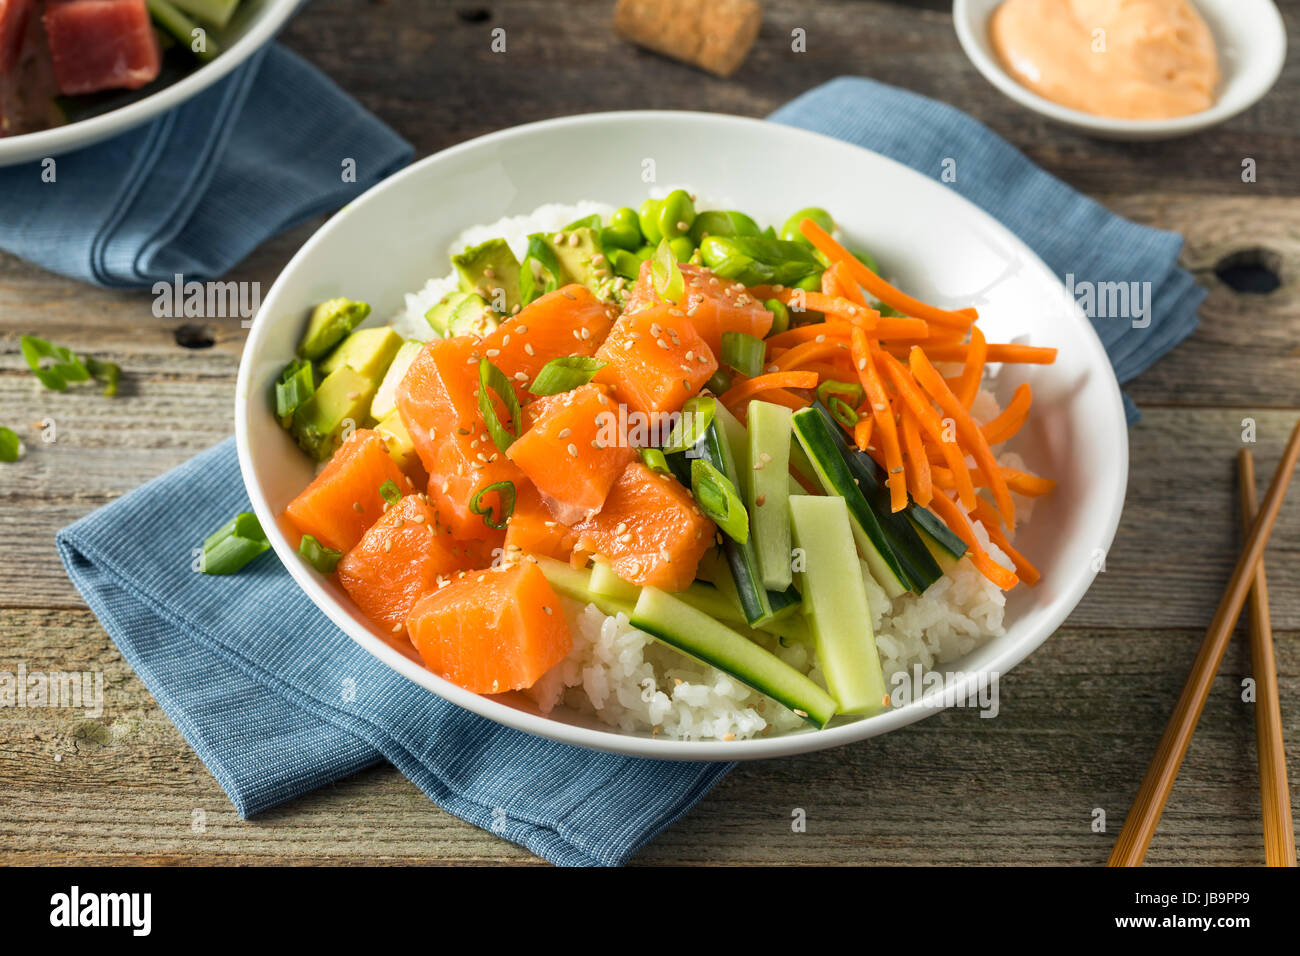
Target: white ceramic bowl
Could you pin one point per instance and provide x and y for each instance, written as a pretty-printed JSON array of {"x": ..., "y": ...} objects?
[
  {"x": 1249, "y": 34},
  {"x": 254, "y": 24},
  {"x": 931, "y": 241}
]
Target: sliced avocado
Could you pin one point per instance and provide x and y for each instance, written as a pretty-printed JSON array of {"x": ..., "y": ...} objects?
[
  {"x": 398, "y": 440},
  {"x": 369, "y": 351},
  {"x": 491, "y": 270},
  {"x": 386, "y": 396},
  {"x": 342, "y": 398},
  {"x": 581, "y": 256},
  {"x": 330, "y": 322},
  {"x": 462, "y": 313}
]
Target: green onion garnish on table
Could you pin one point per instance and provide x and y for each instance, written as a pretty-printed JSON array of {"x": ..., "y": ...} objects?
[
  {"x": 743, "y": 352},
  {"x": 238, "y": 541},
  {"x": 10, "y": 446},
  {"x": 564, "y": 374},
  {"x": 65, "y": 367},
  {"x": 323, "y": 559}
]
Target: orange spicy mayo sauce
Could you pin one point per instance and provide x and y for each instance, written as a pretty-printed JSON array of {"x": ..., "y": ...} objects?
[{"x": 1127, "y": 59}]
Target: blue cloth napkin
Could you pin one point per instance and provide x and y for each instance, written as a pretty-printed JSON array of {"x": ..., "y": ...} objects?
[
  {"x": 276, "y": 701},
  {"x": 1071, "y": 233},
  {"x": 197, "y": 189}
]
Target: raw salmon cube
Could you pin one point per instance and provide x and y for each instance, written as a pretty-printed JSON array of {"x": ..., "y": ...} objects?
[
  {"x": 13, "y": 23},
  {"x": 568, "y": 321},
  {"x": 656, "y": 360},
  {"x": 101, "y": 45},
  {"x": 534, "y": 530},
  {"x": 712, "y": 304}
]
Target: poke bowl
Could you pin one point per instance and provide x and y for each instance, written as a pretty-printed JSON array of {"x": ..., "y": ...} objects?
[
  {"x": 58, "y": 92},
  {"x": 667, "y": 632}
]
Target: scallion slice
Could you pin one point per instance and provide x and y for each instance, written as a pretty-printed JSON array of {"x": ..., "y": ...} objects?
[
  {"x": 64, "y": 368},
  {"x": 542, "y": 254},
  {"x": 667, "y": 276},
  {"x": 697, "y": 415},
  {"x": 743, "y": 352},
  {"x": 851, "y": 392},
  {"x": 492, "y": 379},
  {"x": 564, "y": 374},
  {"x": 323, "y": 559},
  {"x": 718, "y": 382},
  {"x": 718, "y": 499},
  {"x": 780, "y": 315},
  {"x": 297, "y": 384},
  {"x": 109, "y": 373},
  {"x": 842, "y": 412},
  {"x": 653, "y": 458},
  {"x": 233, "y": 545},
  {"x": 10, "y": 446},
  {"x": 390, "y": 492},
  {"x": 505, "y": 494}
]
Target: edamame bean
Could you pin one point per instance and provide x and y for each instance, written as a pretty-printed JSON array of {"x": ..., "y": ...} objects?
[
  {"x": 812, "y": 283},
  {"x": 790, "y": 231},
  {"x": 626, "y": 264},
  {"x": 623, "y": 231},
  {"x": 722, "y": 222},
  {"x": 780, "y": 315},
  {"x": 676, "y": 214},
  {"x": 866, "y": 259},
  {"x": 648, "y": 219},
  {"x": 682, "y": 248}
]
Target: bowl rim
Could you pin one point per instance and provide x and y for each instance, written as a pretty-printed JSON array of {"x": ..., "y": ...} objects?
[
  {"x": 93, "y": 129},
  {"x": 963, "y": 17},
  {"x": 612, "y": 740}
]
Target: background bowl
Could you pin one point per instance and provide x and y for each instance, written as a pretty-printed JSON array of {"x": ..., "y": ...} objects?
[
  {"x": 1249, "y": 34},
  {"x": 255, "y": 22},
  {"x": 932, "y": 242}
]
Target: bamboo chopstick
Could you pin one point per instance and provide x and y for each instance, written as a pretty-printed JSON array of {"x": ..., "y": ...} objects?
[
  {"x": 1140, "y": 824},
  {"x": 1279, "y": 833}
]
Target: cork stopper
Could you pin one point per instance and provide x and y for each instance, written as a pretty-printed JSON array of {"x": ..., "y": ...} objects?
[{"x": 715, "y": 35}]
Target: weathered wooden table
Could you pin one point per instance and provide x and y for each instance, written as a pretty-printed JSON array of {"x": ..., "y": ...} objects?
[{"x": 1079, "y": 720}]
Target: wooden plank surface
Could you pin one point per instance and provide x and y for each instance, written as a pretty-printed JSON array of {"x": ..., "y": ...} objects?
[{"x": 1079, "y": 719}]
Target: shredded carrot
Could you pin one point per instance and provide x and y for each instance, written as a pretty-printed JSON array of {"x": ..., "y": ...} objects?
[
  {"x": 848, "y": 285},
  {"x": 743, "y": 390},
  {"x": 832, "y": 306},
  {"x": 884, "y": 416},
  {"x": 929, "y": 421},
  {"x": 800, "y": 355},
  {"x": 781, "y": 396},
  {"x": 877, "y": 286},
  {"x": 918, "y": 465},
  {"x": 830, "y": 283},
  {"x": 968, "y": 385},
  {"x": 960, "y": 525},
  {"x": 1021, "y": 482},
  {"x": 1011, "y": 418},
  {"x": 938, "y": 351},
  {"x": 967, "y": 430},
  {"x": 862, "y": 430},
  {"x": 989, "y": 518}
]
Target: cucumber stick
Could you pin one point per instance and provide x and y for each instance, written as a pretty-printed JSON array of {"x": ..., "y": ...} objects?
[
  {"x": 768, "y": 492},
  {"x": 733, "y": 432},
  {"x": 835, "y": 603},
  {"x": 575, "y": 583},
  {"x": 696, "y": 634},
  {"x": 832, "y": 473},
  {"x": 605, "y": 581}
]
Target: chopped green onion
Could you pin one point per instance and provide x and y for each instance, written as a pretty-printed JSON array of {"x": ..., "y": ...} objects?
[
  {"x": 743, "y": 352},
  {"x": 564, "y": 374},
  {"x": 9, "y": 444},
  {"x": 297, "y": 384},
  {"x": 107, "y": 372},
  {"x": 667, "y": 276},
  {"x": 390, "y": 492},
  {"x": 718, "y": 382},
  {"x": 718, "y": 499},
  {"x": 233, "y": 545},
  {"x": 697, "y": 415},
  {"x": 851, "y": 391},
  {"x": 323, "y": 559},
  {"x": 654, "y": 459},
  {"x": 542, "y": 254},
  {"x": 780, "y": 313},
  {"x": 842, "y": 412},
  {"x": 65, "y": 368},
  {"x": 506, "y": 495},
  {"x": 492, "y": 379}
]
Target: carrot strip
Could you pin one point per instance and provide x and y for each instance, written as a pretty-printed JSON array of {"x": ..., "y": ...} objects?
[
  {"x": 807, "y": 352},
  {"x": 781, "y": 396},
  {"x": 1021, "y": 482},
  {"x": 884, "y": 416},
  {"x": 808, "y": 333},
  {"x": 848, "y": 285},
  {"x": 800, "y": 300},
  {"x": 938, "y": 351},
  {"x": 968, "y": 385},
  {"x": 877, "y": 286},
  {"x": 1011, "y": 418},
  {"x": 741, "y": 391},
  {"x": 967, "y": 430},
  {"x": 928, "y": 419},
  {"x": 960, "y": 525},
  {"x": 918, "y": 465},
  {"x": 989, "y": 518},
  {"x": 862, "y": 430},
  {"x": 830, "y": 283}
]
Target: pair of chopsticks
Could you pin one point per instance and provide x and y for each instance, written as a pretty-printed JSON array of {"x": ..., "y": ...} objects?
[{"x": 1247, "y": 581}]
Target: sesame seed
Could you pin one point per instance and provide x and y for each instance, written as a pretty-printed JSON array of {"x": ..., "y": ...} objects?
[
  {"x": 493, "y": 353},
  {"x": 397, "y": 628},
  {"x": 564, "y": 432},
  {"x": 356, "y": 506},
  {"x": 573, "y": 450},
  {"x": 388, "y": 546},
  {"x": 528, "y": 348},
  {"x": 547, "y": 609},
  {"x": 862, "y": 363},
  {"x": 760, "y": 500},
  {"x": 729, "y": 737}
]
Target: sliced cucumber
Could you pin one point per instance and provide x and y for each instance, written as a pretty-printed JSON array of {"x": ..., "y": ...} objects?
[
  {"x": 737, "y": 442},
  {"x": 575, "y": 583},
  {"x": 694, "y": 633},
  {"x": 946, "y": 548},
  {"x": 832, "y": 473},
  {"x": 835, "y": 603},
  {"x": 768, "y": 495},
  {"x": 605, "y": 581}
]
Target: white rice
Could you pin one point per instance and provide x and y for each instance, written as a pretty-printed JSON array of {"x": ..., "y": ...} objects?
[{"x": 628, "y": 680}]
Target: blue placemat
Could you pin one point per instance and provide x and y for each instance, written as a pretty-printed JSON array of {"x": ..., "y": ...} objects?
[
  {"x": 276, "y": 701},
  {"x": 194, "y": 191}
]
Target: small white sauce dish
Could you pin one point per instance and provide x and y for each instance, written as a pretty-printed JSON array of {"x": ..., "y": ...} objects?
[{"x": 1249, "y": 35}]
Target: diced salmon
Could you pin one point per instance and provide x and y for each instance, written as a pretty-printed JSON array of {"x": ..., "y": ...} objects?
[
  {"x": 13, "y": 24},
  {"x": 574, "y": 451},
  {"x": 656, "y": 360},
  {"x": 534, "y": 530},
  {"x": 714, "y": 305},
  {"x": 650, "y": 530},
  {"x": 568, "y": 321},
  {"x": 438, "y": 401},
  {"x": 399, "y": 558},
  {"x": 491, "y": 631},
  {"x": 102, "y": 45}
]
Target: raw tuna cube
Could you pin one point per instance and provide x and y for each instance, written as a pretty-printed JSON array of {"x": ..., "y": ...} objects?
[
  {"x": 102, "y": 45},
  {"x": 13, "y": 20}
]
